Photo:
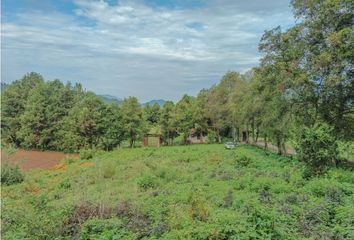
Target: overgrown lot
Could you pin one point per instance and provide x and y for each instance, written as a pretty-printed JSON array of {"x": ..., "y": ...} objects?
[{"x": 189, "y": 192}]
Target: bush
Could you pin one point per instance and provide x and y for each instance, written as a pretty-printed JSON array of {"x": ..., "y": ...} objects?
[
  {"x": 199, "y": 207},
  {"x": 147, "y": 181},
  {"x": 87, "y": 154},
  {"x": 211, "y": 137},
  {"x": 9, "y": 149},
  {"x": 317, "y": 148},
  {"x": 105, "y": 229},
  {"x": 11, "y": 174},
  {"x": 242, "y": 161},
  {"x": 109, "y": 171}
]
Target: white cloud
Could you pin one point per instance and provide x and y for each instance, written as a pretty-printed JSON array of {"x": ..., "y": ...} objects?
[{"x": 135, "y": 49}]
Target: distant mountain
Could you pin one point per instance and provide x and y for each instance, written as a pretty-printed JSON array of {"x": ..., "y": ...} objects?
[
  {"x": 160, "y": 102},
  {"x": 109, "y": 98}
]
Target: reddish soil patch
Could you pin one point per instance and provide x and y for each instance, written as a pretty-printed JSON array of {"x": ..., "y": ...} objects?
[{"x": 35, "y": 159}]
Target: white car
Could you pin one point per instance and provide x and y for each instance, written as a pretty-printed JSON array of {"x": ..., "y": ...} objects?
[{"x": 230, "y": 145}]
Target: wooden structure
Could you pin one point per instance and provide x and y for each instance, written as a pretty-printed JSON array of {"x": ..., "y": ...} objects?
[
  {"x": 152, "y": 138},
  {"x": 195, "y": 138}
]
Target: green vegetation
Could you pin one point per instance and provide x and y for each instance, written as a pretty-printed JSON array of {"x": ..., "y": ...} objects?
[
  {"x": 305, "y": 79},
  {"x": 317, "y": 148},
  {"x": 11, "y": 174},
  {"x": 301, "y": 93},
  {"x": 187, "y": 192}
]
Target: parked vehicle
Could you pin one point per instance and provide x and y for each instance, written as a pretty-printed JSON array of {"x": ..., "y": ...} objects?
[{"x": 230, "y": 145}]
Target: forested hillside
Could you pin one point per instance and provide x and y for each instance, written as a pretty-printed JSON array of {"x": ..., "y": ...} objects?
[
  {"x": 302, "y": 91},
  {"x": 301, "y": 95}
]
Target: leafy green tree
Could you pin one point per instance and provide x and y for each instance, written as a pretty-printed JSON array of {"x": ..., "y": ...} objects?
[
  {"x": 13, "y": 102},
  {"x": 152, "y": 113},
  {"x": 317, "y": 147},
  {"x": 46, "y": 106},
  {"x": 169, "y": 131},
  {"x": 327, "y": 35},
  {"x": 113, "y": 126},
  {"x": 183, "y": 117},
  {"x": 83, "y": 127},
  {"x": 219, "y": 105},
  {"x": 133, "y": 120},
  {"x": 201, "y": 120}
]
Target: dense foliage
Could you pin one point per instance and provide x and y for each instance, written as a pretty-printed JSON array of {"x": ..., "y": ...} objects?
[
  {"x": 49, "y": 115},
  {"x": 186, "y": 192},
  {"x": 317, "y": 148},
  {"x": 11, "y": 174},
  {"x": 305, "y": 79}
]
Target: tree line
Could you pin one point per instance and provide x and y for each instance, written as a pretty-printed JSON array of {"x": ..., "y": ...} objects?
[{"x": 303, "y": 88}]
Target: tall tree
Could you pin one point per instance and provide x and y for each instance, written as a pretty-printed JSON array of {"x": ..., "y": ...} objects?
[
  {"x": 219, "y": 105},
  {"x": 113, "y": 132},
  {"x": 13, "y": 102},
  {"x": 152, "y": 113},
  {"x": 184, "y": 116},
  {"x": 326, "y": 31},
  {"x": 169, "y": 131},
  {"x": 46, "y": 106},
  {"x": 133, "y": 120},
  {"x": 83, "y": 127}
]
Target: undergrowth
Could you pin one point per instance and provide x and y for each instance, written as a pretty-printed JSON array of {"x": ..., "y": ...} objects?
[{"x": 189, "y": 192}]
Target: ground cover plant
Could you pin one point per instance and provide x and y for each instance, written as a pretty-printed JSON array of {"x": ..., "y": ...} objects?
[{"x": 182, "y": 192}]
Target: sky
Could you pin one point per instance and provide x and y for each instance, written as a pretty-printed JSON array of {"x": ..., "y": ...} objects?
[{"x": 151, "y": 49}]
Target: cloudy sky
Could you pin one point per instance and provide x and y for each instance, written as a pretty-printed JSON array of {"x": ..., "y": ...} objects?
[{"x": 151, "y": 49}]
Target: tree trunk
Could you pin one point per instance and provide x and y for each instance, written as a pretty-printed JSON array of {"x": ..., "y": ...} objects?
[
  {"x": 252, "y": 126},
  {"x": 284, "y": 148},
  {"x": 238, "y": 134},
  {"x": 265, "y": 142},
  {"x": 279, "y": 146},
  {"x": 247, "y": 134},
  {"x": 218, "y": 136}
]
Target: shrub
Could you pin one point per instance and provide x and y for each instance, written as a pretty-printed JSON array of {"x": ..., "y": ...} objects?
[
  {"x": 211, "y": 137},
  {"x": 9, "y": 149},
  {"x": 264, "y": 195},
  {"x": 105, "y": 229},
  {"x": 81, "y": 213},
  {"x": 108, "y": 170},
  {"x": 123, "y": 208},
  {"x": 334, "y": 195},
  {"x": 65, "y": 184},
  {"x": 199, "y": 208},
  {"x": 39, "y": 202},
  {"x": 317, "y": 148},
  {"x": 86, "y": 154},
  {"x": 242, "y": 161},
  {"x": 11, "y": 174},
  {"x": 228, "y": 200},
  {"x": 140, "y": 224},
  {"x": 147, "y": 181},
  {"x": 312, "y": 219}
]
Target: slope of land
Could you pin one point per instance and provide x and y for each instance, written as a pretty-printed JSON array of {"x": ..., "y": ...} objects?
[{"x": 189, "y": 192}]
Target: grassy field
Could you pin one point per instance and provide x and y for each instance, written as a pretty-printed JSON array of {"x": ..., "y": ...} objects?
[{"x": 187, "y": 192}]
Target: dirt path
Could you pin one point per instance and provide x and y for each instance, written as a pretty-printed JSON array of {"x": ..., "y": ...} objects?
[
  {"x": 34, "y": 159},
  {"x": 273, "y": 148}
]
